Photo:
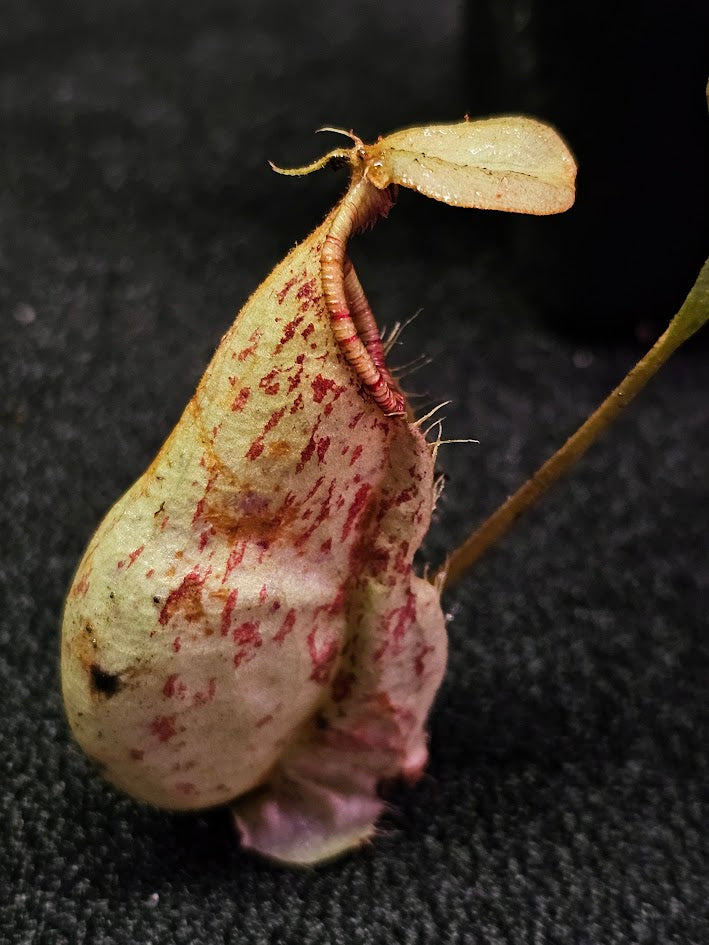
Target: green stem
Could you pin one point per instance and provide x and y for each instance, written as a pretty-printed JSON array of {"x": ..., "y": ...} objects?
[{"x": 690, "y": 318}]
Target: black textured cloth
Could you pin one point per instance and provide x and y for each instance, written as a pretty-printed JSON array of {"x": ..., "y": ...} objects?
[{"x": 566, "y": 797}]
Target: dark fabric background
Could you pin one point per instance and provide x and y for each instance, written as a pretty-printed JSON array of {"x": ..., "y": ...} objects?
[{"x": 566, "y": 799}]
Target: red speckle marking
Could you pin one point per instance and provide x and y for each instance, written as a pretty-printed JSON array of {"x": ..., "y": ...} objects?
[
  {"x": 264, "y": 720},
  {"x": 236, "y": 556},
  {"x": 326, "y": 546},
  {"x": 202, "y": 698},
  {"x": 337, "y": 603},
  {"x": 321, "y": 658},
  {"x": 280, "y": 296},
  {"x": 307, "y": 290},
  {"x": 309, "y": 448},
  {"x": 255, "y": 449},
  {"x": 163, "y": 726},
  {"x": 135, "y": 554},
  {"x": 290, "y": 328},
  {"x": 307, "y": 331},
  {"x": 269, "y": 384},
  {"x": 356, "y": 453},
  {"x": 401, "y": 565},
  {"x": 247, "y": 634},
  {"x": 355, "y": 420},
  {"x": 187, "y": 597},
  {"x": 137, "y": 754},
  {"x": 185, "y": 787},
  {"x": 262, "y": 594},
  {"x": 176, "y": 645},
  {"x": 240, "y": 657},
  {"x": 321, "y": 385},
  {"x": 205, "y": 536},
  {"x": 274, "y": 420},
  {"x": 323, "y": 446},
  {"x": 358, "y": 503},
  {"x": 199, "y": 508},
  {"x": 378, "y": 424},
  {"x": 405, "y": 496},
  {"x": 419, "y": 658},
  {"x": 150, "y": 573},
  {"x": 297, "y": 404},
  {"x": 241, "y": 399},
  {"x": 286, "y": 627},
  {"x": 294, "y": 381},
  {"x": 315, "y": 488},
  {"x": 244, "y": 353},
  {"x": 228, "y": 610},
  {"x": 81, "y": 588},
  {"x": 173, "y": 688},
  {"x": 403, "y": 617},
  {"x": 120, "y": 564},
  {"x": 322, "y": 515}
]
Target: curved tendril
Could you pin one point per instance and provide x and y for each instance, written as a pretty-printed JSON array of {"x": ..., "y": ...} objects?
[
  {"x": 358, "y": 143},
  {"x": 337, "y": 154}
]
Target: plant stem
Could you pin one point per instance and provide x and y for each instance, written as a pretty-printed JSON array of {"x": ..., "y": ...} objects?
[{"x": 690, "y": 318}]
